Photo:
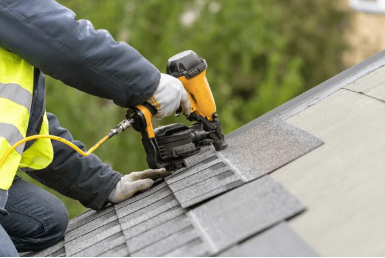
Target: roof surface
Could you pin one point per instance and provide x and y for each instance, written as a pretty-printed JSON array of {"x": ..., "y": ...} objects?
[
  {"x": 220, "y": 200},
  {"x": 320, "y": 146}
]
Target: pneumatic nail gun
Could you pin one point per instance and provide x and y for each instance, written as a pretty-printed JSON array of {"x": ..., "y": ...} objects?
[{"x": 167, "y": 146}]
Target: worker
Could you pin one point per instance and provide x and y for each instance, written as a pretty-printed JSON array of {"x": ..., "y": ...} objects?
[{"x": 42, "y": 36}]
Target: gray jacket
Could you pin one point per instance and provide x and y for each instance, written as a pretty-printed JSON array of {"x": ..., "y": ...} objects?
[{"x": 48, "y": 36}]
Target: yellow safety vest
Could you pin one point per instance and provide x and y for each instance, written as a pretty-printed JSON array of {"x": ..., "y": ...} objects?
[{"x": 16, "y": 89}]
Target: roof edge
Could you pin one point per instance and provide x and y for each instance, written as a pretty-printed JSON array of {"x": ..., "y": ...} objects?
[{"x": 317, "y": 93}]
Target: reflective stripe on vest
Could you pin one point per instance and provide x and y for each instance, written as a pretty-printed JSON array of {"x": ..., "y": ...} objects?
[{"x": 16, "y": 86}]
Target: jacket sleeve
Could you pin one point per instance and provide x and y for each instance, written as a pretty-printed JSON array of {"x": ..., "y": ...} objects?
[
  {"x": 86, "y": 179},
  {"x": 48, "y": 36}
]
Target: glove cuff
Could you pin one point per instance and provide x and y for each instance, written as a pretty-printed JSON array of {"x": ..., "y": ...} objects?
[{"x": 111, "y": 196}]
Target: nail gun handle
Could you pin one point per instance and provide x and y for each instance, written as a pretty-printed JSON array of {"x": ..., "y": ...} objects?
[
  {"x": 150, "y": 108},
  {"x": 141, "y": 116}
]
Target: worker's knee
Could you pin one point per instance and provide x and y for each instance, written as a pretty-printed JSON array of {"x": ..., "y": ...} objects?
[
  {"x": 55, "y": 224},
  {"x": 39, "y": 229},
  {"x": 37, "y": 219},
  {"x": 58, "y": 221}
]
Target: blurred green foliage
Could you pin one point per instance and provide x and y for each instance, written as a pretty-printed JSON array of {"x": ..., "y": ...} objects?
[{"x": 260, "y": 55}]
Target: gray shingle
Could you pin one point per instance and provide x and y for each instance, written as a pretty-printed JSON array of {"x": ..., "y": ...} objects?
[
  {"x": 143, "y": 203},
  {"x": 206, "y": 189},
  {"x": 147, "y": 212},
  {"x": 151, "y": 223},
  {"x": 268, "y": 146},
  {"x": 54, "y": 250},
  {"x": 243, "y": 212},
  {"x": 278, "y": 241},
  {"x": 210, "y": 177},
  {"x": 59, "y": 253},
  {"x": 91, "y": 238},
  {"x": 153, "y": 191},
  {"x": 92, "y": 225},
  {"x": 87, "y": 217},
  {"x": 158, "y": 233},
  {"x": 101, "y": 247},
  {"x": 210, "y": 194},
  {"x": 196, "y": 177},
  {"x": 78, "y": 220},
  {"x": 208, "y": 159},
  {"x": 170, "y": 243},
  {"x": 191, "y": 249},
  {"x": 199, "y": 157},
  {"x": 119, "y": 251}
]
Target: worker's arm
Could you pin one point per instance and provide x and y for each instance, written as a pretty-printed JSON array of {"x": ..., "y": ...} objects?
[
  {"x": 86, "y": 179},
  {"x": 48, "y": 36}
]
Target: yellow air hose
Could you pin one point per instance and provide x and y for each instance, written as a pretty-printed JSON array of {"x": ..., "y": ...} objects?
[
  {"x": 116, "y": 130},
  {"x": 73, "y": 146}
]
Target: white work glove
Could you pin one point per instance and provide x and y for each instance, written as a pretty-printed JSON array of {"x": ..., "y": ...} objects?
[
  {"x": 169, "y": 96},
  {"x": 134, "y": 182}
]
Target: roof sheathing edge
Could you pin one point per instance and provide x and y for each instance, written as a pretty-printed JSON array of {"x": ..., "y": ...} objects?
[{"x": 316, "y": 94}]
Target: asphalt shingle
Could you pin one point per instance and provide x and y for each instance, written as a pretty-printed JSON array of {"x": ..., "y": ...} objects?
[
  {"x": 118, "y": 251},
  {"x": 215, "y": 173},
  {"x": 92, "y": 225},
  {"x": 278, "y": 241},
  {"x": 203, "y": 180},
  {"x": 144, "y": 198},
  {"x": 200, "y": 157},
  {"x": 87, "y": 217},
  {"x": 151, "y": 223},
  {"x": 55, "y": 250},
  {"x": 110, "y": 243},
  {"x": 170, "y": 243},
  {"x": 91, "y": 238},
  {"x": 158, "y": 233},
  {"x": 266, "y": 147},
  {"x": 243, "y": 212},
  {"x": 194, "y": 248},
  {"x": 148, "y": 212},
  {"x": 208, "y": 160},
  {"x": 162, "y": 195},
  {"x": 207, "y": 189}
]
